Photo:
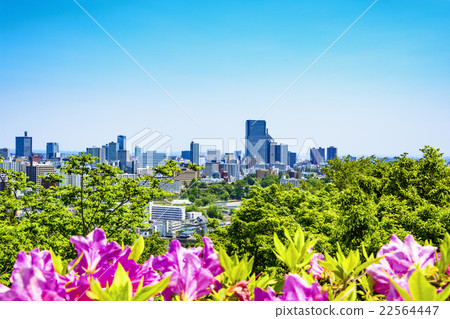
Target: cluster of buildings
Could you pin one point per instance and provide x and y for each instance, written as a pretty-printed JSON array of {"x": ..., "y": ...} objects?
[{"x": 262, "y": 155}]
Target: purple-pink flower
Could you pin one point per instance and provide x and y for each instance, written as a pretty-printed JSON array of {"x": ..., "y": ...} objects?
[
  {"x": 34, "y": 278},
  {"x": 192, "y": 270},
  {"x": 295, "y": 289},
  {"x": 400, "y": 259},
  {"x": 316, "y": 270}
]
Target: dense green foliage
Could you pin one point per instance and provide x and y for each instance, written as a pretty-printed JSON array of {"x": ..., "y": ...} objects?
[
  {"x": 367, "y": 201},
  {"x": 32, "y": 216}
]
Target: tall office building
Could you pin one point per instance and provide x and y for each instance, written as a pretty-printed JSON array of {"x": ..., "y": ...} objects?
[
  {"x": 122, "y": 141},
  {"x": 98, "y": 152},
  {"x": 213, "y": 156},
  {"x": 278, "y": 153},
  {"x": 124, "y": 158},
  {"x": 195, "y": 153},
  {"x": 257, "y": 141},
  {"x": 34, "y": 171},
  {"x": 24, "y": 145},
  {"x": 186, "y": 155},
  {"x": 52, "y": 150},
  {"x": 292, "y": 159},
  {"x": 137, "y": 151},
  {"x": 317, "y": 155},
  {"x": 151, "y": 159},
  {"x": 4, "y": 152},
  {"x": 331, "y": 153},
  {"x": 113, "y": 148}
]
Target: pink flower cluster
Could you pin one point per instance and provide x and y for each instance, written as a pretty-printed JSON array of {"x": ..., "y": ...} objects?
[
  {"x": 192, "y": 271},
  {"x": 400, "y": 260}
]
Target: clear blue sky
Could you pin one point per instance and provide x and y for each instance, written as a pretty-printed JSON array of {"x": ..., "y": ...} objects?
[{"x": 382, "y": 89}]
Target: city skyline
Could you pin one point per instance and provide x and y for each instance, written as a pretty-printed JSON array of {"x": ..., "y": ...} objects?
[{"x": 381, "y": 89}]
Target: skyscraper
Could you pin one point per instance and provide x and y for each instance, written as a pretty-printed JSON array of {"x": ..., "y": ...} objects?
[
  {"x": 4, "y": 152},
  {"x": 24, "y": 145},
  {"x": 257, "y": 141},
  {"x": 137, "y": 151},
  {"x": 331, "y": 153},
  {"x": 52, "y": 150},
  {"x": 292, "y": 159},
  {"x": 98, "y": 152},
  {"x": 151, "y": 159},
  {"x": 186, "y": 154},
  {"x": 112, "y": 151},
  {"x": 122, "y": 141},
  {"x": 123, "y": 156},
  {"x": 195, "y": 153},
  {"x": 317, "y": 155}
]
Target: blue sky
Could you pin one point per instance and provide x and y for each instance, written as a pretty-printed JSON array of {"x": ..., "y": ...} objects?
[{"x": 382, "y": 89}]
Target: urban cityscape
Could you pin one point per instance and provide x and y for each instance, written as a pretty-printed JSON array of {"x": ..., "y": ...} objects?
[
  {"x": 262, "y": 157},
  {"x": 225, "y": 151}
]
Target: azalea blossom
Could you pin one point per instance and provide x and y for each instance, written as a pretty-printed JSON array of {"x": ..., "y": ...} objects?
[
  {"x": 316, "y": 270},
  {"x": 400, "y": 259},
  {"x": 192, "y": 271},
  {"x": 34, "y": 278}
]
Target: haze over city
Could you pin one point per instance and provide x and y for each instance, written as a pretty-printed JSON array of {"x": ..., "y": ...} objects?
[{"x": 381, "y": 89}]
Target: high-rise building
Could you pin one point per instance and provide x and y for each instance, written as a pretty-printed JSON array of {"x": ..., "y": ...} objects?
[
  {"x": 4, "y": 152},
  {"x": 257, "y": 141},
  {"x": 213, "y": 156},
  {"x": 24, "y": 145},
  {"x": 186, "y": 155},
  {"x": 124, "y": 158},
  {"x": 34, "y": 171},
  {"x": 278, "y": 153},
  {"x": 331, "y": 153},
  {"x": 151, "y": 159},
  {"x": 317, "y": 155},
  {"x": 137, "y": 151},
  {"x": 292, "y": 159},
  {"x": 112, "y": 151},
  {"x": 122, "y": 141},
  {"x": 98, "y": 152},
  {"x": 52, "y": 150},
  {"x": 195, "y": 153}
]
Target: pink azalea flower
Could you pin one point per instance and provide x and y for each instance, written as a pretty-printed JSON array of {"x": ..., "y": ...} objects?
[
  {"x": 97, "y": 252},
  {"x": 30, "y": 284},
  {"x": 192, "y": 271},
  {"x": 316, "y": 269},
  {"x": 400, "y": 258}
]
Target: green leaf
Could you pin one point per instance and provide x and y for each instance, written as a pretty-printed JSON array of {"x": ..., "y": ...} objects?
[
  {"x": 366, "y": 264},
  {"x": 150, "y": 291},
  {"x": 225, "y": 260},
  {"x": 291, "y": 257},
  {"x": 121, "y": 288},
  {"x": 137, "y": 249},
  {"x": 444, "y": 294},
  {"x": 420, "y": 288},
  {"x": 280, "y": 248},
  {"x": 348, "y": 294},
  {"x": 57, "y": 262},
  {"x": 99, "y": 293}
]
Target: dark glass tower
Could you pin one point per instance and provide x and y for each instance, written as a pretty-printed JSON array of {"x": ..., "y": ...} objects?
[
  {"x": 24, "y": 145},
  {"x": 195, "y": 153},
  {"x": 52, "y": 150},
  {"x": 257, "y": 141},
  {"x": 122, "y": 141}
]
